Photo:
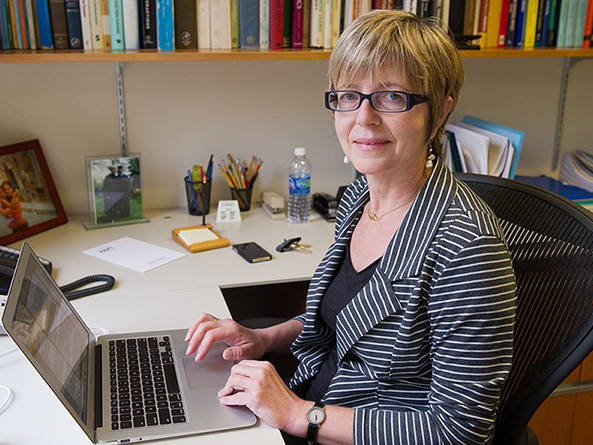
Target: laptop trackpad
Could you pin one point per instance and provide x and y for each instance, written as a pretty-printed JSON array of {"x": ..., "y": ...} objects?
[{"x": 210, "y": 373}]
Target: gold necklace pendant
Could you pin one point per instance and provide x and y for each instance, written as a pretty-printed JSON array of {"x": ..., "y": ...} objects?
[{"x": 373, "y": 216}]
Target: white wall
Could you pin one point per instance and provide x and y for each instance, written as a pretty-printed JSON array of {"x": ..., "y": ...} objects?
[{"x": 179, "y": 113}]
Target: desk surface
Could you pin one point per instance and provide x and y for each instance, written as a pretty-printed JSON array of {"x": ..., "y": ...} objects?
[
  {"x": 222, "y": 267},
  {"x": 170, "y": 296}
]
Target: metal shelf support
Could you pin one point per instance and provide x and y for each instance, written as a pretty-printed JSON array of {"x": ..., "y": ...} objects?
[{"x": 120, "y": 106}]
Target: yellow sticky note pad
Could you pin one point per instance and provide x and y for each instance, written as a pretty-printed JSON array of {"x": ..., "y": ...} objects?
[{"x": 199, "y": 238}]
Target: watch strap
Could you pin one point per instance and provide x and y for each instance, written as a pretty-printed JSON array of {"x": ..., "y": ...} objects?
[{"x": 313, "y": 428}]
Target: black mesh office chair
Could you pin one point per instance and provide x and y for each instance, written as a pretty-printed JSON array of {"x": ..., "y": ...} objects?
[{"x": 551, "y": 244}]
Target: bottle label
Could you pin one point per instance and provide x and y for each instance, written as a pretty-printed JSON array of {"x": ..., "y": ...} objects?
[{"x": 299, "y": 185}]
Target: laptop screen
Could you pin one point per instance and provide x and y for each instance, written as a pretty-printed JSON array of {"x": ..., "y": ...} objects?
[{"x": 55, "y": 339}]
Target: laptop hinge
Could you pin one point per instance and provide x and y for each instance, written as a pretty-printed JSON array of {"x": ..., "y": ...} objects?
[{"x": 98, "y": 388}]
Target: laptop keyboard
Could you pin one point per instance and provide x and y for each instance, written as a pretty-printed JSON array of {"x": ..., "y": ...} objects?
[{"x": 143, "y": 383}]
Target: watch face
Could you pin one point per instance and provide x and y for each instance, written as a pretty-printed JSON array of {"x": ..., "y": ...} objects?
[{"x": 316, "y": 415}]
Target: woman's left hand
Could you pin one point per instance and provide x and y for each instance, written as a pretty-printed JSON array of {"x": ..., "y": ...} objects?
[{"x": 256, "y": 385}]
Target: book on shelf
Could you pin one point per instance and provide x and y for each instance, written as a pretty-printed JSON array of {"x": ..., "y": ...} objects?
[
  {"x": 131, "y": 21},
  {"x": 298, "y": 24},
  {"x": 33, "y": 30},
  {"x": 220, "y": 24},
  {"x": 96, "y": 22},
  {"x": 277, "y": 23},
  {"x": 73, "y": 24},
  {"x": 287, "y": 24},
  {"x": 204, "y": 24},
  {"x": 531, "y": 23},
  {"x": 165, "y": 25},
  {"x": 186, "y": 24},
  {"x": 235, "y": 24},
  {"x": 148, "y": 30},
  {"x": 588, "y": 26},
  {"x": 85, "y": 25},
  {"x": 116, "y": 24},
  {"x": 264, "y": 24},
  {"x": 105, "y": 24},
  {"x": 249, "y": 23},
  {"x": 57, "y": 13}
]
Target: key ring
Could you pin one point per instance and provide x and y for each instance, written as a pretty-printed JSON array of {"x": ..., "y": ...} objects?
[{"x": 293, "y": 244}]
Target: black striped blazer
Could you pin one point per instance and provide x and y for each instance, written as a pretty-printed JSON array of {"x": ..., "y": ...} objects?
[{"x": 425, "y": 346}]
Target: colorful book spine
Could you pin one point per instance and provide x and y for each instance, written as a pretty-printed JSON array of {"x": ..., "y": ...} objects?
[
  {"x": 235, "y": 43},
  {"x": 531, "y": 23},
  {"x": 553, "y": 19},
  {"x": 264, "y": 24},
  {"x": 287, "y": 24},
  {"x": 116, "y": 25},
  {"x": 220, "y": 24},
  {"x": 30, "y": 24},
  {"x": 85, "y": 25},
  {"x": 493, "y": 25},
  {"x": 131, "y": 15},
  {"x": 74, "y": 24},
  {"x": 520, "y": 24},
  {"x": 317, "y": 22},
  {"x": 57, "y": 13},
  {"x": 307, "y": 24},
  {"x": 204, "y": 24},
  {"x": 186, "y": 24},
  {"x": 148, "y": 37},
  {"x": 588, "y": 26},
  {"x": 4, "y": 28},
  {"x": 96, "y": 25},
  {"x": 546, "y": 22},
  {"x": 21, "y": 24},
  {"x": 105, "y": 24},
  {"x": 165, "y": 25},
  {"x": 541, "y": 5},
  {"x": 13, "y": 23},
  {"x": 276, "y": 23},
  {"x": 580, "y": 19},
  {"x": 511, "y": 23},
  {"x": 328, "y": 12},
  {"x": 249, "y": 23},
  {"x": 44, "y": 22},
  {"x": 298, "y": 18}
]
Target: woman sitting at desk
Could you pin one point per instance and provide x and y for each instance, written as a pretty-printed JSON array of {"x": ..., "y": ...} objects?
[{"x": 407, "y": 336}]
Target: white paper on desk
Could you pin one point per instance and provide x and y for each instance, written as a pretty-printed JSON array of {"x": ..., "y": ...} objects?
[{"x": 134, "y": 254}]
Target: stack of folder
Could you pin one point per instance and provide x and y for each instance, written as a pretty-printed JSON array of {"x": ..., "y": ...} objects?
[
  {"x": 478, "y": 146},
  {"x": 577, "y": 194},
  {"x": 577, "y": 169}
]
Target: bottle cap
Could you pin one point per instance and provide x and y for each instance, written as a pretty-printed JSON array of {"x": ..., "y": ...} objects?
[{"x": 300, "y": 151}]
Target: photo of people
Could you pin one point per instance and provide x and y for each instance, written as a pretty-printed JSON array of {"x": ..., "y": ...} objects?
[
  {"x": 25, "y": 198},
  {"x": 115, "y": 189}
]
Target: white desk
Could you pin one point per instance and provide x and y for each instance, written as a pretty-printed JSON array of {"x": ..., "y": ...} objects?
[{"x": 170, "y": 296}]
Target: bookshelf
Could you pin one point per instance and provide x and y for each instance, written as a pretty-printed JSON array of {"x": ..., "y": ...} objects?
[{"x": 79, "y": 56}]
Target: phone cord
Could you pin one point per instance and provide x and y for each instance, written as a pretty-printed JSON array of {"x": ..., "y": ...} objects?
[{"x": 71, "y": 294}]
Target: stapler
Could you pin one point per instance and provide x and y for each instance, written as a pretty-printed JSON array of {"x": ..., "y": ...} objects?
[
  {"x": 273, "y": 204},
  {"x": 326, "y": 205}
]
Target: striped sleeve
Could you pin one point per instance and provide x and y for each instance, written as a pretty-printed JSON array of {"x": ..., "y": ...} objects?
[{"x": 471, "y": 312}]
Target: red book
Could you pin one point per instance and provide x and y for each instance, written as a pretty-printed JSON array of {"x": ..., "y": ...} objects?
[
  {"x": 23, "y": 22},
  {"x": 588, "y": 25},
  {"x": 298, "y": 17},
  {"x": 504, "y": 17},
  {"x": 276, "y": 23}
]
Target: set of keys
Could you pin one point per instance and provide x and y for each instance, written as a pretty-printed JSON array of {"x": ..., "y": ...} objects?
[{"x": 293, "y": 244}]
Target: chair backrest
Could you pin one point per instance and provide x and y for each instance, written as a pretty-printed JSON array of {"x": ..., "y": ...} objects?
[{"x": 551, "y": 244}]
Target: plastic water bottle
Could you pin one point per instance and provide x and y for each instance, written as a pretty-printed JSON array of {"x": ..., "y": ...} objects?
[{"x": 299, "y": 187}]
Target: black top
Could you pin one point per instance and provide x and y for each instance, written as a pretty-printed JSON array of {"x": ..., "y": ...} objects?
[{"x": 344, "y": 286}]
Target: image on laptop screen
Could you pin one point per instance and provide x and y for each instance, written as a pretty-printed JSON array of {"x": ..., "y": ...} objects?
[{"x": 54, "y": 337}]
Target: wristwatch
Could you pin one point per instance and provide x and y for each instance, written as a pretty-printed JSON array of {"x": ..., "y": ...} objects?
[{"x": 315, "y": 417}]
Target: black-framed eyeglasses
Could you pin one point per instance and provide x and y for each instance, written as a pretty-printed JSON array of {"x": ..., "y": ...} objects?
[{"x": 383, "y": 101}]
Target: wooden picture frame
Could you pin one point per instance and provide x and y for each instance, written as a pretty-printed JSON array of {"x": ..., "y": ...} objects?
[{"x": 29, "y": 200}]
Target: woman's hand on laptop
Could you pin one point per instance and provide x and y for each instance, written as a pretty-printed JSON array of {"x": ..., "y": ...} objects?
[{"x": 244, "y": 343}]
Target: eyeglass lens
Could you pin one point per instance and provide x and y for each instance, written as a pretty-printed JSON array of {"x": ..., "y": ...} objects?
[{"x": 381, "y": 100}]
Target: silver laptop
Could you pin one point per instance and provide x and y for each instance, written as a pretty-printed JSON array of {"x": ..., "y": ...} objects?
[{"x": 124, "y": 388}]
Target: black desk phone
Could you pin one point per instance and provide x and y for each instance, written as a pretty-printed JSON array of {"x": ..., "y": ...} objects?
[{"x": 8, "y": 259}]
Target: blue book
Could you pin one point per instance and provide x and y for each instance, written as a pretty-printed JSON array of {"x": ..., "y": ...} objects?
[
  {"x": 3, "y": 32},
  {"x": 165, "y": 24},
  {"x": 9, "y": 42},
  {"x": 545, "y": 23},
  {"x": 515, "y": 136},
  {"x": 571, "y": 192},
  {"x": 116, "y": 24},
  {"x": 520, "y": 24},
  {"x": 74, "y": 24},
  {"x": 43, "y": 19},
  {"x": 249, "y": 23},
  {"x": 19, "y": 41}
]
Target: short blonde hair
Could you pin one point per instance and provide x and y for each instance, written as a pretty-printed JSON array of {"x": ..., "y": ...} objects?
[{"x": 419, "y": 50}]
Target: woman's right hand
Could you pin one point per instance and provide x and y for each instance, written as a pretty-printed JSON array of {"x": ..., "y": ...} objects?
[{"x": 244, "y": 343}]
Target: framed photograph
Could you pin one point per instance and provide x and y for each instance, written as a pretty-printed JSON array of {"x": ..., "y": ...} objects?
[
  {"x": 29, "y": 201},
  {"x": 115, "y": 195}
]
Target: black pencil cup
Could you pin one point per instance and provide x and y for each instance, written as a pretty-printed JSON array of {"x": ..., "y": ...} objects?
[
  {"x": 198, "y": 197},
  {"x": 244, "y": 198}
]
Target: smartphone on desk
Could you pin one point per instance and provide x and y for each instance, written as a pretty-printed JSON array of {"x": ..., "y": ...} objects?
[{"x": 252, "y": 252}]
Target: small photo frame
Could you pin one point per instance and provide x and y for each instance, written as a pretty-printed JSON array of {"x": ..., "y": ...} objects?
[
  {"x": 115, "y": 195},
  {"x": 29, "y": 201}
]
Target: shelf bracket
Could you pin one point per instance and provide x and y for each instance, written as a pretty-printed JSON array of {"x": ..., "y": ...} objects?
[
  {"x": 120, "y": 106},
  {"x": 569, "y": 62}
]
